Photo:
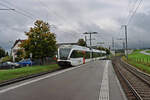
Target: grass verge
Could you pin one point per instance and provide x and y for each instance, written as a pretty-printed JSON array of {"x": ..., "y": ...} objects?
[
  {"x": 139, "y": 60},
  {"x": 148, "y": 51},
  {"x": 25, "y": 71}
]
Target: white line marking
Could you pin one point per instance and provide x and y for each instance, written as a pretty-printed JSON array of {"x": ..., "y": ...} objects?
[
  {"x": 104, "y": 90},
  {"x": 35, "y": 80}
]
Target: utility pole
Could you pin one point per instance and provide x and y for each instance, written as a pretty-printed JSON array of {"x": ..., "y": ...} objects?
[
  {"x": 90, "y": 40},
  {"x": 126, "y": 38},
  {"x": 126, "y": 41},
  {"x": 113, "y": 44},
  {"x": 123, "y": 44},
  {"x": 86, "y": 41}
]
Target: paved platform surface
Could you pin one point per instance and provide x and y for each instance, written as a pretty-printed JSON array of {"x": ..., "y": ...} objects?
[{"x": 92, "y": 81}]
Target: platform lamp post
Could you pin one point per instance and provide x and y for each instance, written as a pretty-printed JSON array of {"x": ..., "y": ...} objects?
[{"x": 90, "y": 33}]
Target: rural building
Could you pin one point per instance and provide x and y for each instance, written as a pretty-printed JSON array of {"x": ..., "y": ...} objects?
[{"x": 16, "y": 47}]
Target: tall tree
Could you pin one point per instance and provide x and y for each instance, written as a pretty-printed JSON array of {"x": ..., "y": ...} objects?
[
  {"x": 81, "y": 42},
  {"x": 2, "y": 52},
  {"x": 105, "y": 49},
  {"x": 41, "y": 42}
]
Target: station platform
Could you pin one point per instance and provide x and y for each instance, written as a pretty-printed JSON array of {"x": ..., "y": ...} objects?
[{"x": 91, "y": 81}]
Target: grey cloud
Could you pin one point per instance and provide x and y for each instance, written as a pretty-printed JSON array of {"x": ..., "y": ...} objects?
[{"x": 72, "y": 18}]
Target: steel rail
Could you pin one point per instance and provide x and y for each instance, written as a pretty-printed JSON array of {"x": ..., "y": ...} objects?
[
  {"x": 138, "y": 76},
  {"x": 136, "y": 94}
]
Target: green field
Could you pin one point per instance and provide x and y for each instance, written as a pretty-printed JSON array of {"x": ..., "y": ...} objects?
[
  {"x": 148, "y": 51},
  {"x": 25, "y": 71},
  {"x": 139, "y": 60}
]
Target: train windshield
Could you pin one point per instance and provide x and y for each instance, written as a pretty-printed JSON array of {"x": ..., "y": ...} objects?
[{"x": 64, "y": 53}]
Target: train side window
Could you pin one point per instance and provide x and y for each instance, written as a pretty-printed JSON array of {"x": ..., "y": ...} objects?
[
  {"x": 87, "y": 56},
  {"x": 77, "y": 54},
  {"x": 99, "y": 54},
  {"x": 95, "y": 54},
  {"x": 80, "y": 54}
]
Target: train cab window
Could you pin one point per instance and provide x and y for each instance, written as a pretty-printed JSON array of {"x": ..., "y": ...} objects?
[{"x": 64, "y": 53}]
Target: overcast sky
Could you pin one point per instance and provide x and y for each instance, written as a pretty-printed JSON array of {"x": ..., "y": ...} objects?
[{"x": 74, "y": 17}]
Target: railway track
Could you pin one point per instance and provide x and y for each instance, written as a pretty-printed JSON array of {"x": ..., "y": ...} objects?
[{"x": 136, "y": 84}]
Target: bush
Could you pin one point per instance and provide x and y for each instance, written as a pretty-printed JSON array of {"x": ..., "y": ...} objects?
[{"x": 7, "y": 58}]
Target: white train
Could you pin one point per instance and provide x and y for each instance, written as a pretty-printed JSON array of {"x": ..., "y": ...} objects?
[{"x": 73, "y": 55}]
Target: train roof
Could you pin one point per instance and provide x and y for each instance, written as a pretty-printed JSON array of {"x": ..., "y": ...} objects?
[{"x": 76, "y": 47}]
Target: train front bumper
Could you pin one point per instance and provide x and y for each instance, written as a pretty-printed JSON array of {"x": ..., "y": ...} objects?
[{"x": 64, "y": 63}]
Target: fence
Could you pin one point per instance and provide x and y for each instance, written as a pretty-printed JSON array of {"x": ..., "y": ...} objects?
[
  {"x": 145, "y": 60},
  {"x": 46, "y": 61}
]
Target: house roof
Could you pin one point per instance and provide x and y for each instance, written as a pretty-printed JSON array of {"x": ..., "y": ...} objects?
[{"x": 19, "y": 40}]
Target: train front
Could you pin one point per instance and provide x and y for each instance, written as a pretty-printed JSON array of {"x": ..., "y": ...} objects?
[{"x": 63, "y": 57}]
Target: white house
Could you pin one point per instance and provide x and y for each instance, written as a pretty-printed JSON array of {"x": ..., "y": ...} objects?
[{"x": 15, "y": 48}]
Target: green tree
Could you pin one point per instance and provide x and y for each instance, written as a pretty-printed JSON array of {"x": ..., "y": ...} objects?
[
  {"x": 20, "y": 55},
  {"x": 41, "y": 42},
  {"x": 101, "y": 48},
  {"x": 6, "y": 58},
  {"x": 105, "y": 49},
  {"x": 81, "y": 42},
  {"x": 2, "y": 52}
]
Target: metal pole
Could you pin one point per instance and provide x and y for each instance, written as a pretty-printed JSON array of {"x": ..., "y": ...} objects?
[
  {"x": 86, "y": 41},
  {"x": 123, "y": 45},
  {"x": 90, "y": 46},
  {"x": 113, "y": 43},
  {"x": 90, "y": 40},
  {"x": 113, "y": 46},
  {"x": 126, "y": 41}
]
